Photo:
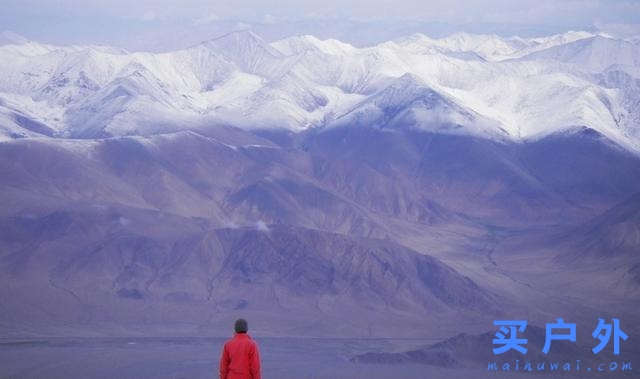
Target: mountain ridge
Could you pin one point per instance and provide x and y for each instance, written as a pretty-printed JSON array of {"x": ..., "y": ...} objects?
[{"x": 298, "y": 83}]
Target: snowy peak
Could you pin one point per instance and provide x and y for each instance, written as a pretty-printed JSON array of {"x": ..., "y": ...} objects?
[
  {"x": 237, "y": 41},
  {"x": 391, "y": 105},
  {"x": 246, "y": 49},
  {"x": 408, "y": 102},
  {"x": 594, "y": 54},
  {"x": 486, "y": 46},
  {"x": 560, "y": 39},
  {"x": 405, "y": 90},
  {"x": 301, "y": 44}
]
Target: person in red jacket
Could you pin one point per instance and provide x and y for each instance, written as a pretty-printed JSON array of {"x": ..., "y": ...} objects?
[{"x": 240, "y": 356}]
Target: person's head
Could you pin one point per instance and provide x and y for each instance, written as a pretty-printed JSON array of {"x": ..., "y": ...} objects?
[{"x": 241, "y": 326}]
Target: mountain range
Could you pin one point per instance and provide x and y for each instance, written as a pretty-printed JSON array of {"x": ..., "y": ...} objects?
[
  {"x": 511, "y": 89},
  {"x": 412, "y": 188}
]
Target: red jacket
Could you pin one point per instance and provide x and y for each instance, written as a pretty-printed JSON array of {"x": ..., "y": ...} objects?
[{"x": 240, "y": 358}]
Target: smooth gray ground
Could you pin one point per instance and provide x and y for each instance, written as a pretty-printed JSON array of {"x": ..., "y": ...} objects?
[{"x": 198, "y": 358}]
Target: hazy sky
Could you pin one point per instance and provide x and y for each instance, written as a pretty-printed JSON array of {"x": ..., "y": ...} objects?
[{"x": 163, "y": 24}]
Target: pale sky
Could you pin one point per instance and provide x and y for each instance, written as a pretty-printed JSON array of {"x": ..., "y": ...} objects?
[{"x": 163, "y": 25}]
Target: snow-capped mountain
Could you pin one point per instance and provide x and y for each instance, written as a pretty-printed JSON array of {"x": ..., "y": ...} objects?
[
  {"x": 485, "y": 85},
  {"x": 306, "y": 183},
  {"x": 410, "y": 102},
  {"x": 596, "y": 53}
]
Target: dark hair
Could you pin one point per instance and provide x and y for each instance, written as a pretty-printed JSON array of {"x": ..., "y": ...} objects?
[{"x": 241, "y": 326}]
